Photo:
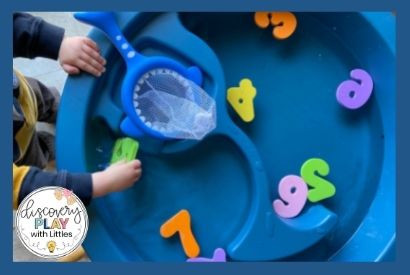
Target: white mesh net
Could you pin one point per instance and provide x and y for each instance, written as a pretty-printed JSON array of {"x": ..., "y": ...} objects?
[{"x": 173, "y": 105}]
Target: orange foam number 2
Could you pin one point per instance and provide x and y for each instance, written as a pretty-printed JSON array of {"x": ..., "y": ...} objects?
[
  {"x": 284, "y": 23},
  {"x": 181, "y": 223}
]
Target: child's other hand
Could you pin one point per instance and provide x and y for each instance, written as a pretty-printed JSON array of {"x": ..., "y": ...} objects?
[
  {"x": 116, "y": 177},
  {"x": 81, "y": 53}
]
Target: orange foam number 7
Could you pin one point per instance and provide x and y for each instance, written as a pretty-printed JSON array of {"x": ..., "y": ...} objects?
[
  {"x": 321, "y": 188},
  {"x": 181, "y": 223}
]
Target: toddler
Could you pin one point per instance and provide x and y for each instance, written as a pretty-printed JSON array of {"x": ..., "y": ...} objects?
[{"x": 33, "y": 102}]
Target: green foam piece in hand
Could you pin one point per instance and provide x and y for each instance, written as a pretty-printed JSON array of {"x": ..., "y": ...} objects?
[{"x": 124, "y": 149}]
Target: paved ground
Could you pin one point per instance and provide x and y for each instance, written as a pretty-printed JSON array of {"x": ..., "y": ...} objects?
[{"x": 51, "y": 74}]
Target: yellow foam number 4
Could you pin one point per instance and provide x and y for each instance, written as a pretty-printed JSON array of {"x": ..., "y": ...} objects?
[
  {"x": 241, "y": 99},
  {"x": 312, "y": 172}
]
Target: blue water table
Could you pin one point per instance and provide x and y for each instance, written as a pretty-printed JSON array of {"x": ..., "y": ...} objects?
[{"x": 229, "y": 179}]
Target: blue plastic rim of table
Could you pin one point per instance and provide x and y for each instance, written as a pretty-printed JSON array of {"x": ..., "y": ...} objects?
[{"x": 229, "y": 180}]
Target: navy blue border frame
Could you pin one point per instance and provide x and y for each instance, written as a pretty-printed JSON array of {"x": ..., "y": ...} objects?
[{"x": 403, "y": 135}]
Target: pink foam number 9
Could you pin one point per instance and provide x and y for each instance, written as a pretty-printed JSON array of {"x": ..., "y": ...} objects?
[
  {"x": 354, "y": 94},
  {"x": 293, "y": 191}
]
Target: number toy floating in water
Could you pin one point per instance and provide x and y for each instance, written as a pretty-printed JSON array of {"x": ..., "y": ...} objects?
[
  {"x": 218, "y": 257},
  {"x": 284, "y": 23},
  {"x": 160, "y": 97},
  {"x": 293, "y": 193},
  {"x": 353, "y": 94},
  {"x": 241, "y": 99},
  {"x": 181, "y": 223},
  {"x": 321, "y": 188}
]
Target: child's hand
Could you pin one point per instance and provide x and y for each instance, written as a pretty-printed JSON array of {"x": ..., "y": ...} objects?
[
  {"x": 116, "y": 177},
  {"x": 81, "y": 53}
]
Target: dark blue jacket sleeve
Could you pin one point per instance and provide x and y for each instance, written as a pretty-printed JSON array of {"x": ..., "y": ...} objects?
[
  {"x": 79, "y": 183},
  {"x": 34, "y": 37}
]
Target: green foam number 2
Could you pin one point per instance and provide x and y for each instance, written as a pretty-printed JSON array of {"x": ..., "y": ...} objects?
[
  {"x": 124, "y": 149},
  {"x": 312, "y": 172}
]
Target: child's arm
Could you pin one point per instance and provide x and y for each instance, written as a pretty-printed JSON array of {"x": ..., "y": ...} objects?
[
  {"x": 34, "y": 37},
  {"x": 28, "y": 178},
  {"x": 115, "y": 178}
]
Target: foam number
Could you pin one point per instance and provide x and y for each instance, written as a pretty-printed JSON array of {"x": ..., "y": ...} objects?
[
  {"x": 241, "y": 99},
  {"x": 312, "y": 172},
  {"x": 353, "y": 94},
  {"x": 181, "y": 223},
  {"x": 124, "y": 149},
  {"x": 284, "y": 23},
  {"x": 293, "y": 192},
  {"x": 218, "y": 257}
]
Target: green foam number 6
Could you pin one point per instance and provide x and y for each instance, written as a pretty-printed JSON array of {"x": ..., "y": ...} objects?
[{"x": 311, "y": 171}]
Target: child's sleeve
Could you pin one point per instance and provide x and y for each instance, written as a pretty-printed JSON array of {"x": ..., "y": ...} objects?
[
  {"x": 27, "y": 179},
  {"x": 34, "y": 37}
]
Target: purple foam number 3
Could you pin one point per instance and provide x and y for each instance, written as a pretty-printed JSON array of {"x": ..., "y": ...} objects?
[
  {"x": 219, "y": 256},
  {"x": 354, "y": 94},
  {"x": 293, "y": 192}
]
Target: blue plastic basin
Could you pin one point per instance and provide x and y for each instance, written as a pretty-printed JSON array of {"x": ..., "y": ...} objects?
[{"x": 229, "y": 180}]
